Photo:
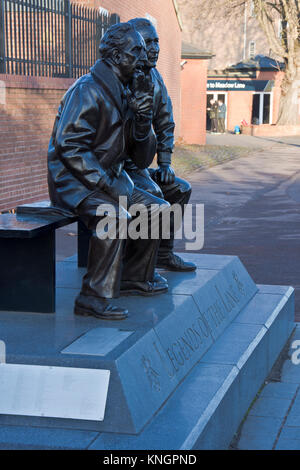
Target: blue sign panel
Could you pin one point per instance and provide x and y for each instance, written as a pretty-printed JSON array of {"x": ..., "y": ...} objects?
[{"x": 240, "y": 85}]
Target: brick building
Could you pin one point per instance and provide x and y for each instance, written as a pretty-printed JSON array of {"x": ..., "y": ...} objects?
[
  {"x": 251, "y": 87},
  {"x": 193, "y": 94},
  {"x": 28, "y": 103},
  {"x": 250, "y": 90}
]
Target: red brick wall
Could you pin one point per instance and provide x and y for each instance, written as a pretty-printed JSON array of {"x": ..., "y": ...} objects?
[
  {"x": 193, "y": 101},
  {"x": 28, "y": 106},
  {"x": 265, "y": 130},
  {"x": 239, "y": 107}
]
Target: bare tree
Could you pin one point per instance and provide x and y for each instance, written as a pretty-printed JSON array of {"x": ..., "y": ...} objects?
[{"x": 286, "y": 46}]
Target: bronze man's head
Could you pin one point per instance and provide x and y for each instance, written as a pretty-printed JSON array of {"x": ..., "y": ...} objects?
[
  {"x": 123, "y": 47},
  {"x": 148, "y": 31}
]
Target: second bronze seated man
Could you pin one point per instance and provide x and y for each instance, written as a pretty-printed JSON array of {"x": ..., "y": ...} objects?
[{"x": 161, "y": 182}]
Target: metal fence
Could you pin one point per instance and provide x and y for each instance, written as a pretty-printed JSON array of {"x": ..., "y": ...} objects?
[{"x": 50, "y": 38}]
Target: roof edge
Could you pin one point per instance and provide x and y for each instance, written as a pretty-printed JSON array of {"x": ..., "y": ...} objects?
[
  {"x": 190, "y": 51},
  {"x": 200, "y": 55}
]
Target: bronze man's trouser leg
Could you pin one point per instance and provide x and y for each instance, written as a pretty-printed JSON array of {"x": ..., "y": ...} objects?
[
  {"x": 140, "y": 255},
  {"x": 105, "y": 259},
  {"x": 178, "y": 192}
]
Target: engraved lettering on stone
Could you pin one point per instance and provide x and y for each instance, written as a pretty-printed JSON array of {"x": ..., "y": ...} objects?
[
  {"x": 178, "y": 355},
  {"x": 239, "y": 284},
  {"x": 152, "y": 375},
  {"x": 206, "y": 331},
  {"x": 172, "y": 358},
  {"x": 222, "y": 299},
  {"x": 170, "y": 373},
  {"x": 182, "y": 348},
  {"x": 228, "y": 298}
]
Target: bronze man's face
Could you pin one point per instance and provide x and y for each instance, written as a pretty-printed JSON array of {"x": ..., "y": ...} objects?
[
  {"x": 152, "y": 44},
  {"x": 132, "y": 56}
]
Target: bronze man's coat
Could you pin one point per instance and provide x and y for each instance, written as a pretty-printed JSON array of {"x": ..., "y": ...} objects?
[{"x": 91, "y": 135}]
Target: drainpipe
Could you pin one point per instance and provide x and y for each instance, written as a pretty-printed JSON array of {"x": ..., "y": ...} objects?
[{"x": 245, "y": 31}]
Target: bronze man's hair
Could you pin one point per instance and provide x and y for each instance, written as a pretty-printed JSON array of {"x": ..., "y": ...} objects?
[
  {"x": 141, "y": 23},
  {"x": 115, "y": 37}
]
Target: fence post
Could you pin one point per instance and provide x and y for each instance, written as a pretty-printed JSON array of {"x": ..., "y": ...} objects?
[
  {"x": 114, "y": 18},
  {"x": 68, "y": 36},
  {"x": 99, "y": 27},
  {"x": 2, "y": 38}
]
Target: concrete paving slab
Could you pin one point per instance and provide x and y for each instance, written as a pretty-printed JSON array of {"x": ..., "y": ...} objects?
[
  {"x": 26, "y": 437},
  {"x": 270, "y": 407},
  {"x": 287, "y": 444},
  {"x": 279, "y": 390},
  {"x": 288, "y": 432},
  {"x": 293, "y": 418},
  {"x": 256, "y": 443},
  {"x": 259, "y": 433},
  {"x": 290, "y": 373},
  {"x": 243, "y": 334}
]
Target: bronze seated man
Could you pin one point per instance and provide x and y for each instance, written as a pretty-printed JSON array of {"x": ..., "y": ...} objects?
[
  {"x": 95, "y": 129},
  {"x": 161, "y": 182}
]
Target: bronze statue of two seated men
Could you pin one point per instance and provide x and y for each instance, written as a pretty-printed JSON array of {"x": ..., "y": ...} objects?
[{"x": 109, "y": 126}]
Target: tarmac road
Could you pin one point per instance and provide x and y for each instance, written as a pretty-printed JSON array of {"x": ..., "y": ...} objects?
[{"x": 252, "y": 210}]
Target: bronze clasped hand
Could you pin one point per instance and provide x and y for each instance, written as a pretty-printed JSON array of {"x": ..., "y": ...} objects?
[{"x": 140, "y": 96}]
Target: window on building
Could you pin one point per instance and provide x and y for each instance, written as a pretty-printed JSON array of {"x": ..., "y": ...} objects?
[
  {"x": 261, "y": 108},
  {"x": 252, "y": 9},
  {"x": 252, "y": 49}
]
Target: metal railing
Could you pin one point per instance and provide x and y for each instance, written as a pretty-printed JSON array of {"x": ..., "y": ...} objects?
[{"x": 50, "y": 38}]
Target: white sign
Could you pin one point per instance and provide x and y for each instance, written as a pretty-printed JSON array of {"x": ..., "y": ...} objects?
[
  {"x": 54, "y": 392},
  {"x": 231, "y": 85},
  {"x": 97, "y": 342}
]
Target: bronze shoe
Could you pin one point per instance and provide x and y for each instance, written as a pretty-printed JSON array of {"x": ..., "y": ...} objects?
[
  {"x": 145, "y": 288},
  {"x": 87, "y": 305}
]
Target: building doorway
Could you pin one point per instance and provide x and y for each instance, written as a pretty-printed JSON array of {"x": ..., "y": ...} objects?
[
  {"x": 262, "y": 108},
  {"x": 215, "y": 97}
]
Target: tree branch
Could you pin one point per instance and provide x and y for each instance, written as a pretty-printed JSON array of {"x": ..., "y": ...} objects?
[{"x": 267, "y": 25}]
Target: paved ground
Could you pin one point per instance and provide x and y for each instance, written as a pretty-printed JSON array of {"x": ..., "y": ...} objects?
[
  {"x": 252, "y": 210},
  {"x": 273, "y": 421}
]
